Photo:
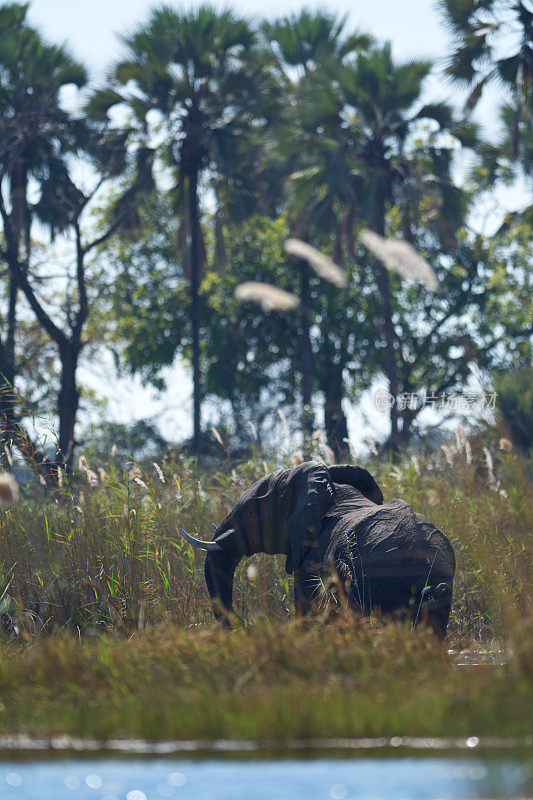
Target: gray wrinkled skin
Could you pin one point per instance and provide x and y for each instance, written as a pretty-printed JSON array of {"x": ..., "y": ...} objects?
[{"x": 389, "y": 558}]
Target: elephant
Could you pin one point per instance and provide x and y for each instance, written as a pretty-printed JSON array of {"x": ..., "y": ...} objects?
[{"x": 324, "y": 518}]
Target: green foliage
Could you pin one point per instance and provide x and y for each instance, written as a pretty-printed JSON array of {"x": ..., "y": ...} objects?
[
  {"x": 492, "y": 43},
  {"x": 308, "y": 37},
  {"x": 32, "y": 73},
  {"x": 249, "y": 354},
  {"x": 138, "y": 441},
  {"x": 304, "y": 126},
  {"x": 147, "y": 309},
  {"x": 484, "y": 301},
  {"x": 515, "y": 403},
  {"x": 199, "y": 70}
]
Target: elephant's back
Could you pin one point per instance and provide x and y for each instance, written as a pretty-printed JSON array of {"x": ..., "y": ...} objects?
[
  {"x": 391, "y": 538},
  {"x": 255, "y": 513}
]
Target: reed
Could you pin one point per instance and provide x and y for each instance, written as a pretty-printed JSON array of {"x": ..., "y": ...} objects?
[
  {"x": 107, "y": 630},
  {"x": 104, "y": 553}
]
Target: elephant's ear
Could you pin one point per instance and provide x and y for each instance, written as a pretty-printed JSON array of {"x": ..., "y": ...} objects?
[
  {"x": 314, "y": 496},
  {"x": 359, "y": 478}
]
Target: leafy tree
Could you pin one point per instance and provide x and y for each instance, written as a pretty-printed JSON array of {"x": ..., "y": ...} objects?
[
  {"x": 515, "y": 403},
  {"x": 481, "y": 316},
  {"x": 119, "y": 443},
  {"x": 304, "y": 43},
  {"x": 493, "y": 43},
  {"x": 34, "y": 133},
  {"x": 146, "y": 310},
  {"x": 64, "y": 208},
  {"x": 197, "y": 71},
  {"x": 247, "y": 355},
  {"x": 42, "y": 145},
  {"x": 250, "y": 354},
  {"x": 395, "y": 163}
]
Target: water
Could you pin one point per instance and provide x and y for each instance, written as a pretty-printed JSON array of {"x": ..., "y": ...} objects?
[{"x": 353, "y": 778}]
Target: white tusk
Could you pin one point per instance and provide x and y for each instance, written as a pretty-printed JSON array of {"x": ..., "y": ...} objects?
[{"x": 199, "y": 543}]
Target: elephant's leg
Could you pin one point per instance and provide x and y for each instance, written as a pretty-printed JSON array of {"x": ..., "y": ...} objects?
[{"x": 305, "y": 586}]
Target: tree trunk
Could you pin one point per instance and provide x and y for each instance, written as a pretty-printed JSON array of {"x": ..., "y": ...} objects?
[
  {"x": 13, "y": 432},
  {"x": 338, "y": 244},
  {"x": 334, "y": 416},
  {"x": 67, "y": 403},
  {"x": 306, "y": 354},
  {"x": 391, "y": 366},
  {"x": 11, "y": 328},
  {"x": 7, "y": 357},
  {"x": 195, "y": 307},
  {"x": 8, "y": 365},
  {"x": 220, "y": 244},
  {"x": 349, "y": 233}
]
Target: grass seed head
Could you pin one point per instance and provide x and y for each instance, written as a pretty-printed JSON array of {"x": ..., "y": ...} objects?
[
  {"x": 323, "y": 265},
  {"x": 159, "y": 472},
  {"x": 399, "y": 256},
  {"x": 268, "y": 297},
  {"x": 370, "y": 442},
  {"x": 92, "y": 477},
  {"x": 9, "y": 490}
]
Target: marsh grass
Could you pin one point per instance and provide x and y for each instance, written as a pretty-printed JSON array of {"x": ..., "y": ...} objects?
[
  {"x": 109, "y": 556},
  {"x": 108, "y": 631},
  {"x": 276, "y": 682}
]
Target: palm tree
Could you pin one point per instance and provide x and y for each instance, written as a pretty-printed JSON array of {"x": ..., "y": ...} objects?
[
  {"x": 378, "y": 99},
  {"x": 303, "y": 44},
  {"x": 34, "y": 133},
  {"x": 197, "y": 74},
  {"x": 305, "y": 39},
  {"x": 493, "y": 43}
]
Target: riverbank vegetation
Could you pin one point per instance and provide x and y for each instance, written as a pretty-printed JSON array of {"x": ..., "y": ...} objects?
[
  {"x": 273, "y": 682},
  {"x": 292, "y": 216},
  {"x": 107, "y": 629}
]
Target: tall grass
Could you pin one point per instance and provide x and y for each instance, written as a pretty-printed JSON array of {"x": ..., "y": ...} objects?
[
  {"x": 103, "y": 556},
  {"x": 108, "y": 557}
]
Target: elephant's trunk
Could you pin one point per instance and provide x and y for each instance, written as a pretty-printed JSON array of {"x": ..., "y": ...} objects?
[{"x": 223, "y": 555}]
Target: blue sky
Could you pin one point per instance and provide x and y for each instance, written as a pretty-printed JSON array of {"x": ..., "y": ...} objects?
[
  {"x": 90, "y": 25},
  {"x": 90, "y": 28}
]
